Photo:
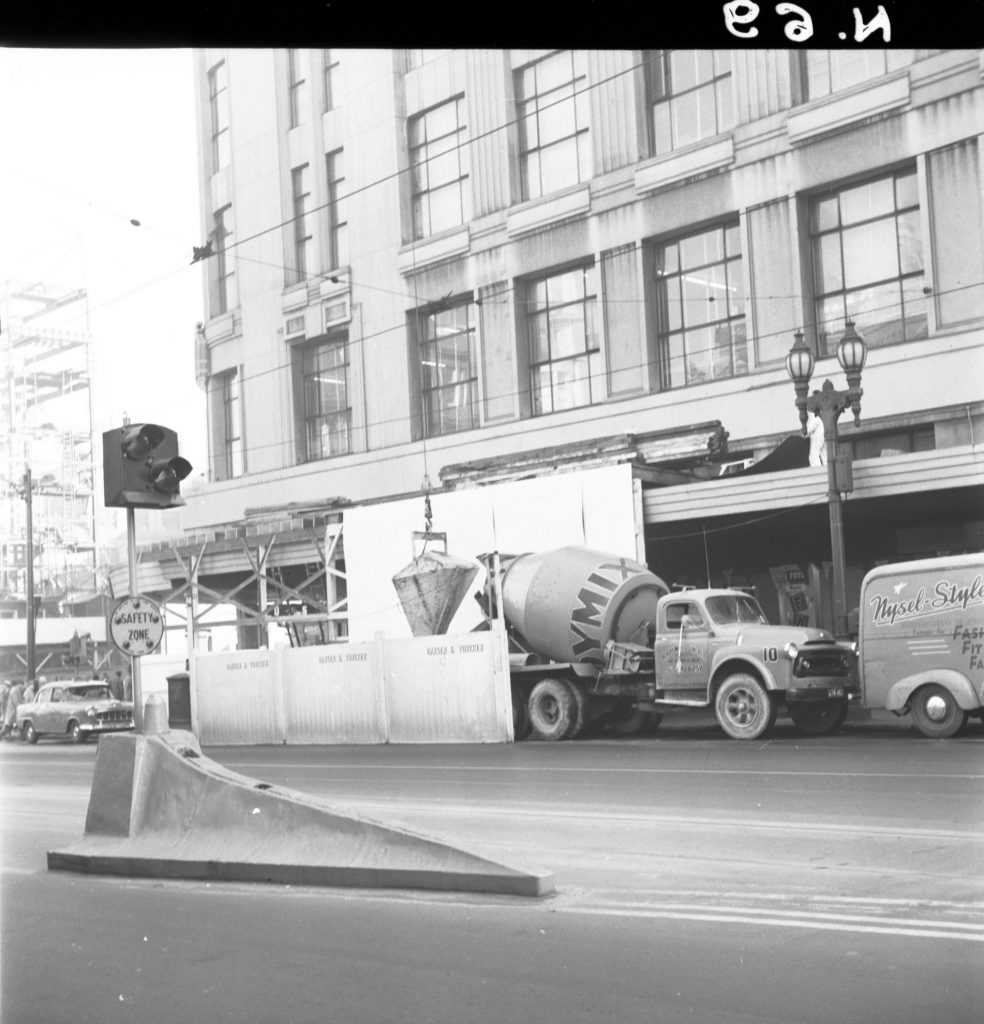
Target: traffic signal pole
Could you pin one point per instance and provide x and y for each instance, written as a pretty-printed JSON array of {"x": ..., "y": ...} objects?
[
  {"x": 30, "y": 609},
  {"x": 131, "y": 555}
]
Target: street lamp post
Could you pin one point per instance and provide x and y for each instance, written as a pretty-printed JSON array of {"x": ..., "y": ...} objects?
[{"x": 828, "y": 404}]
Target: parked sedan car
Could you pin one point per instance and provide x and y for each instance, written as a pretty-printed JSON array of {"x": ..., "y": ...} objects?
[{"x": 73, "y": 708}]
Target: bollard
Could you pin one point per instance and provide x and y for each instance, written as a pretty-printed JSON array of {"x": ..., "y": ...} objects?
[{"x": 155, "y": 715}]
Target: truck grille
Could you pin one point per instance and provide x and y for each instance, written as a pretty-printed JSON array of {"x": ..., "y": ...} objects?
[{"x": 821, "y": 663}]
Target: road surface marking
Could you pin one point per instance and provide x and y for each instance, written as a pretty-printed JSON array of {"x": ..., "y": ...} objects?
[
  {"x": 241, "y": 766},
  {"x": 919, "y": 930}
]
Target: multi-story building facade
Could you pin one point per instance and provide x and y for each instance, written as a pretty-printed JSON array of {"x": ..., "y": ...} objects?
[{"x": 477, "y": 265}]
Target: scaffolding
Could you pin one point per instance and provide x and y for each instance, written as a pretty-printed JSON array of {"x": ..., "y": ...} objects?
[{"x": 46, "y": 410}]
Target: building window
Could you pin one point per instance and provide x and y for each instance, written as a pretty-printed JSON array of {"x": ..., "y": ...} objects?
[
  {"x": 226, "y": 297},
  {"x": 439, "y": 169},
  {"x": 565, "y": 355},
  {"x": 337, "y": 217},
  {"x": 553, "y": 102},
  {"x": 868, "y": 262},
  {"x": 417, "y": 58},
  {"x": 893, "y": 442},
  {"x": 298, "y": 89},
  {"x": 324, "y": 396},
  {"x": 700, "y": 307},
  {"x": 330, "y": 59},
  {"x": 448, "y": 375},
  {"x": 303, "y": 241},
  {"x": 690, "y": 96},
  {"x": 230, "y": 446},
  {"x": 218, "y": 103},
  {"x": 828, "y": 71}
]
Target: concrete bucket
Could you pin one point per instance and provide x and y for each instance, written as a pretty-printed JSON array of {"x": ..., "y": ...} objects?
[{"x": 431, "y": 589}]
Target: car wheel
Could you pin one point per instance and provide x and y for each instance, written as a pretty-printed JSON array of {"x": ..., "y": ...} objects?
[
  {"x": 75, "y": 731},
  {"x": 744, "y": 707},
  {"x": 936, "y": 712},
  {"x": 28, "y": 733}
]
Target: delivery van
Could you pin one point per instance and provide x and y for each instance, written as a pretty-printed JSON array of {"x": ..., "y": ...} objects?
[{"x": 921, "y": 641}]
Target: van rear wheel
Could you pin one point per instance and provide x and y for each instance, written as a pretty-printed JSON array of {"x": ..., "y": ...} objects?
[{"x": 936, "y": 712}]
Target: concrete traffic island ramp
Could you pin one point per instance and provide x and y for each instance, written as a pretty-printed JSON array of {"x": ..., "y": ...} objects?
[{"x": 159, "y": 808}]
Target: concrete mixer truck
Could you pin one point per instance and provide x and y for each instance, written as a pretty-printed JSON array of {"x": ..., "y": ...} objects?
[{"x": 598, "y": 641}]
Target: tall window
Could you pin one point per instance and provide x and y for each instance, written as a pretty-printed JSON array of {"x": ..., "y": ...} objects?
[
  {"x": 226, "y": 296},
  {"x": 439, "y": 169},
  {"x": 218, "y": 103},
  {"x": 297, "y": 88},
  {"x": 448, "y": 370},
  {"x": 337, "y": 216},
  {"x": 830, "y": 71},
  {"x": 868, "y": 262},
  {"x": 330, "y": 64},
  {"x": 324, "y": 397},
  {"x": 231, "y": 439},
  {"x": 690, "y": 96},
  {"x": 700, "y": 304},
  {"x": 303, "y": 241},
  {"x": 565, "y": 354},
  {"x": 553, "y": 100}
]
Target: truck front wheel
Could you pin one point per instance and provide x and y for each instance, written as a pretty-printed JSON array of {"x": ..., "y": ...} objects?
[
  {"x": 936, "y": 712},
  {"x": 744, "y": 707},
  {"x": 553, "y": 709},
  {"x": 817, "y": 718}
]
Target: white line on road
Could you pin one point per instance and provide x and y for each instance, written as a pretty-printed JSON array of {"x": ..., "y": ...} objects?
[
  {"x": 924, "y": 930},
  {"x": 242, "y": 766}
]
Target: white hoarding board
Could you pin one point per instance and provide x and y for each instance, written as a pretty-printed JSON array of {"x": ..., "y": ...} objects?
[
  {"x": 332, "y": 694},
  {"x": 449, "y": 689},
  {"x": 237, "y": 697}
]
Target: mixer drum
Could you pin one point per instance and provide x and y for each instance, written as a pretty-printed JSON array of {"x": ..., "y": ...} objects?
[{"x": 568, "y": 603}]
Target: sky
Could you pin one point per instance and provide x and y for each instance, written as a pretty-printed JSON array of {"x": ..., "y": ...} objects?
[{"x": 93, "y": 139}]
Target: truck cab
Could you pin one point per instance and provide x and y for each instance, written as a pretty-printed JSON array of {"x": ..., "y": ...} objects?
[{"x": 716, "y": 647}]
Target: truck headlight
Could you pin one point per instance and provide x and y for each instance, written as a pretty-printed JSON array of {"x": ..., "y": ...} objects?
[
  {"x": 791, "y": 650},
  {"x": 91, "y": 712}
]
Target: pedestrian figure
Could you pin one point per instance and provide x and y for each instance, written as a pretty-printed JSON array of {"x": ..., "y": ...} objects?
[
  {"x": 30, "y": 690},
  {"x": 128, "y": 687},
  {"x": 14, "y": 700},
  {"x": 818, "y": 448},
  {"x": 116, "y": 684}
]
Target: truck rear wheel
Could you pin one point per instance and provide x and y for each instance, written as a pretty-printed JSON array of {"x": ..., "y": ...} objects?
[
  {"x": 936, "y": 712},
  {"x": 553, "y": 709},
  {"x": 744, "y": 707},
  {"x": 521, "y": 715},
  {"x": 817, "y": 718}
]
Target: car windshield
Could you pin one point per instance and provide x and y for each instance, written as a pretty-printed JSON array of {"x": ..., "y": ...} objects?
[
  {"x": 88, "y": 693},
  {"x": 726, "y": 609}
]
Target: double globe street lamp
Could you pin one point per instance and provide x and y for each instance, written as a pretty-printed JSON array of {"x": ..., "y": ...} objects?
[{"x": 828, "y": 404}]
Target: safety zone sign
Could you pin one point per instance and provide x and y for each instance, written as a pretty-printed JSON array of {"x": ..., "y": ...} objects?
[{"x": 136, "y": 626}]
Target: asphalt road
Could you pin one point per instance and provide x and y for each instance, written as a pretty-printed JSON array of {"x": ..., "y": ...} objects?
[{"x": 698, "y": 879}]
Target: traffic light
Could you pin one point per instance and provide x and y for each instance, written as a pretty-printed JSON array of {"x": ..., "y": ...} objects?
[{"x": 142, "y": 467}]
